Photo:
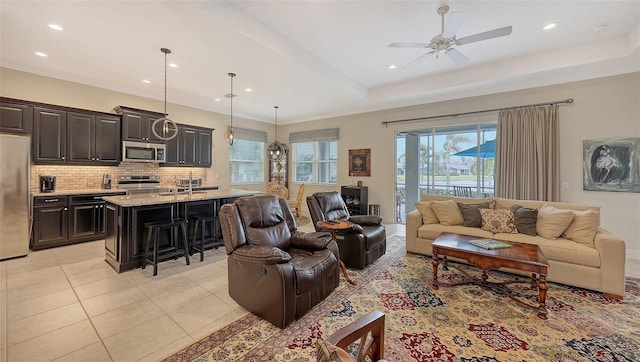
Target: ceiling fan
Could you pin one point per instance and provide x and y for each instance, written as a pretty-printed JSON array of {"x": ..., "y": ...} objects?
[{"x": 443, "y": 43}]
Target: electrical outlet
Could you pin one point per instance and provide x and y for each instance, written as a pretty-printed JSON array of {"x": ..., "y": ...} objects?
[{"x": 565, "y": 184}]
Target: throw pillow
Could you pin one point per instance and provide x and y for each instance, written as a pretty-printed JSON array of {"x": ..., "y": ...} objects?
[
  {"x": 471, "y": 213},
  {"x": 498, "y": 221},
  {"x": 327, "y": 352},
  {"x": 428, "y": 217},
  {"x": 552, "y": 222},
  {"x": 447, "y": 212},
  {"x": 525, "y": 219},
  {"x": 584, "y": 227}
]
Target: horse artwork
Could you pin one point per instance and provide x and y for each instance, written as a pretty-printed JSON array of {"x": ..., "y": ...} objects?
[{"x": 612, "y": 165}]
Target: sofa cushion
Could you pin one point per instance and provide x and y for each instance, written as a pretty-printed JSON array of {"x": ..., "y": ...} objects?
[
  {"x": 552, "y": 222},
  {"x": 432, "y": 231},
  {"x": 584, "y": 227},
  {"x": 525, "y": 219},
  {"x": 471, "y": 213},
  {"x": 428, "y": 216},
  {"x": 447, "y": 212},
  {"x": 498, "y": 221},
  {"x": 560, "y": 250},
  {"x": 463, "y": 200}
]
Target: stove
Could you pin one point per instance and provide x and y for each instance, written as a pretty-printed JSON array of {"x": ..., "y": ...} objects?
[{"x": 140, "y": 184}]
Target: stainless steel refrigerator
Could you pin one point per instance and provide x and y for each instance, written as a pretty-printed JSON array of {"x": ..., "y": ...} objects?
[{"x": 15, "y": 207}]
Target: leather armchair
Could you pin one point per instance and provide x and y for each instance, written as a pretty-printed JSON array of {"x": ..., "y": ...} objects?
[
  {"x": 275, "y": 271},
  {"x": 359, "y": 246}
]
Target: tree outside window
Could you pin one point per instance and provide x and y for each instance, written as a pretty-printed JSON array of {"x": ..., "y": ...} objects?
[
  {"x": 315, "y": 162},
  {"x": 247, "y": 162}
]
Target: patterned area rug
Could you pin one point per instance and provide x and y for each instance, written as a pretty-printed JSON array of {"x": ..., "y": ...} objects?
[
  {"x": 462, "y": 323},
  {"x": 302, "y": 220}
]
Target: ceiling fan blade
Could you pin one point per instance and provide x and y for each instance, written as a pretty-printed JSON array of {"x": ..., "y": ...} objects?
[
  {"x": 408, "y": 45},
  {"x": 419, "y": 59},
  {"x": 486, "y": 35},
  {"x": 456, "y": 56},
  {"x": 453, "y": 24}
]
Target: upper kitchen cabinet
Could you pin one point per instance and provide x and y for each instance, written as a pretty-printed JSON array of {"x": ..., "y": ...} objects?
[
  {"x": 191, "y": 147},
  {"x": 93, "y": 139},
  {"x": 15, "y": 117},
  {"x": 136, "y": 124},
  {"x": 49, "y": 135}
]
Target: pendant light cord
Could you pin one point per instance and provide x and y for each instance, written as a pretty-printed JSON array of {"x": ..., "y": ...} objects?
[{"x": 276, "y": 107}]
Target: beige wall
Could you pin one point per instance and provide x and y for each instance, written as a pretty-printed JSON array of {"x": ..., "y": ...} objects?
[{"x": 603, "y": 108}]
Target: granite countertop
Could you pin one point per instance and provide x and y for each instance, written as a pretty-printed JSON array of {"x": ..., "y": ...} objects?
[
  {"x": 166, "y": 198},
  {"x": 87, "y": 191}
]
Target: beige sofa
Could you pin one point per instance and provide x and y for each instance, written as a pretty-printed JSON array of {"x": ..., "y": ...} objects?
[{"x": 598, "y": 265}]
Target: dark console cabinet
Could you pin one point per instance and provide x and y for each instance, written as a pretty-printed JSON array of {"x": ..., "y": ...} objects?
[{"x": 356, "y": 199}]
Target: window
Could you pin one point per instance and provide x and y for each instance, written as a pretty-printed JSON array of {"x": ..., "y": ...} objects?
[
  {"x": 435, "y": 160},
  {"x": 316, "y": 162},
  {"x": 247, "y": 156},
  {"x": 315, "y": 156}
]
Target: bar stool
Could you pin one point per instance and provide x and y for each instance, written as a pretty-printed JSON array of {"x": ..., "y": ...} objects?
[
  {"x": 153, "y": 230},
  {"x": 204, "y": 244}
]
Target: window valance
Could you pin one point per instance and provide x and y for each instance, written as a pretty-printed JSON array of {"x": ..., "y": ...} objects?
[
  {"x": 248, "y": 134},
  {"x": 328, "y": 134}
]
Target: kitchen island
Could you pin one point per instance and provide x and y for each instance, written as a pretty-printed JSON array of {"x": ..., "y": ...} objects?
[{"x": 126, "y": 215}]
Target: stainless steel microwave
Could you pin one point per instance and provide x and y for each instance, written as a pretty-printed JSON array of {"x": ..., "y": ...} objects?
[{"x": 143, "y": 152}]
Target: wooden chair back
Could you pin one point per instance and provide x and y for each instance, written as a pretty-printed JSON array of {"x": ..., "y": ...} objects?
[
  {"x": 280, "y": 191},
  {"x": 369, "y": 330},
  {"x": 462, "y": 191}
]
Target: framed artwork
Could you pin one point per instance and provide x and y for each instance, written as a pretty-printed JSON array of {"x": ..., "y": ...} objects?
[
  {"x": 611, "y": 165},
  {"x": 360, "y": 162}
]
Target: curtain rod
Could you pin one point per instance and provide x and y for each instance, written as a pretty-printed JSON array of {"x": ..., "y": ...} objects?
[{"x": 387, "y": 123}]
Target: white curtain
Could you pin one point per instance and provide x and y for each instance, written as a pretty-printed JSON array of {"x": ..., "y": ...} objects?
[{"x": 527, "y": 154}]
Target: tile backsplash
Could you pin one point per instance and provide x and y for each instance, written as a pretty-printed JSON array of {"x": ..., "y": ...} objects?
[{"x": 80, "y": 177}]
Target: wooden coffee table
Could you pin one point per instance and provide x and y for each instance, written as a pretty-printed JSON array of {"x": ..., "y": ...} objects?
[{"x": 525, "y": 257}]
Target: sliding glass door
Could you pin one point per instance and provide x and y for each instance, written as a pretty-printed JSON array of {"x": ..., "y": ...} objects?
[{"x": 457, "y": 160}]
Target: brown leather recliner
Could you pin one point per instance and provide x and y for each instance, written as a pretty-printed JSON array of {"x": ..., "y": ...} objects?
[
  {"x": 275, "y": 271},
  {"x": 359, "y": 246}
]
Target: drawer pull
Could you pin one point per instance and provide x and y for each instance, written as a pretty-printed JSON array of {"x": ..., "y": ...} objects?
[{"x": 51, "y": 200}]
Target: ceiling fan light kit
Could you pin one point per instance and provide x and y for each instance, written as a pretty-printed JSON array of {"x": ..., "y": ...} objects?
[{"x": 444, "y": 42}]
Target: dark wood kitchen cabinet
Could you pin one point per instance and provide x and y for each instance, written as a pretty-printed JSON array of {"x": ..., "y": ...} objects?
[
  {"x": 63, "y": 220},
  {"x": 50, "y": 222},
  {"x": 15, "y": 117},
  {"x": 192, "y": 147},
  {"x": 49, "y": 140},
  {"x": 93, "y": 139},
  {"x": 136, "y": 124}
]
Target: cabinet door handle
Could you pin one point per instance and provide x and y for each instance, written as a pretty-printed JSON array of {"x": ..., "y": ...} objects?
[
  {"x": 93, "y": 158},
  {"x": 65, "y": 209},
  {"x": 95, "y": 207},
  {"x": 51, "y": 200},
  {"x": 97, "y": 159},
  {"x": 63, "y": 157}
]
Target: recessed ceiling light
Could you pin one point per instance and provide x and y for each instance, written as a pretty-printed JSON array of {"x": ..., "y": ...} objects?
[
  {"x": 599, "y": 27},
  {"x": 55, "y": 27},
  {"x": 173, "y": 65},
  {"x": 392, "y": 66},
  {"x": 146, "y": 81},
  {"x": 217, "y": 99},
  {"x": 41, "y": 54},
  {"x": 549, "y": 26},
  {"x": 248, "y": 89}
]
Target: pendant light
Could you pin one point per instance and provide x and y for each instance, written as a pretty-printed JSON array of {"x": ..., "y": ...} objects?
[
  {"x": 277, "y": 150},
  {"x": 169, "y": 128},
  {"x": 229, "y": 135}
]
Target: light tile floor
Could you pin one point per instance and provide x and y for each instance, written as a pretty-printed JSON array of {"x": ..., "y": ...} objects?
[{"x": 67, "y": 304}]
